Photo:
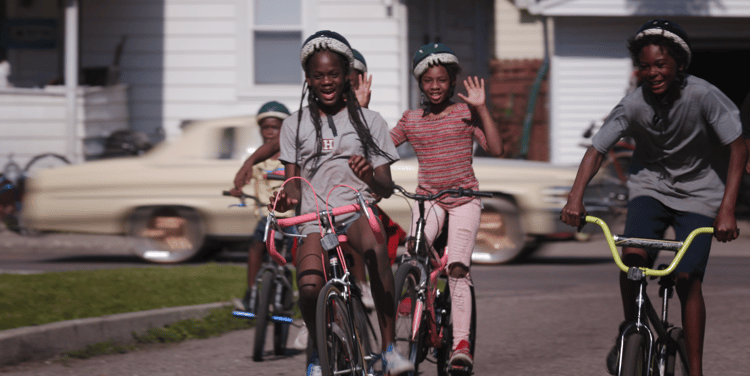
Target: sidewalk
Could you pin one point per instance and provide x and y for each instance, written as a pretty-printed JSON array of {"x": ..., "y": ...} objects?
[{"x": 48, "y": 340}]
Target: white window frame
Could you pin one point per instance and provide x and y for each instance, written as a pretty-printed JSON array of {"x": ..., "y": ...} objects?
[{"x": 246, "y": 86}]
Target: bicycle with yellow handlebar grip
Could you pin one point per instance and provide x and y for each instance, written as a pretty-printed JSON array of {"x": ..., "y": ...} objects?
[{"x": 658, "y": 348}]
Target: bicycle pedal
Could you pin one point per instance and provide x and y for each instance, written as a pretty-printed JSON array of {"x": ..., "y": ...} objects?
[
  {"x": 283, "y": 319},
  {"x": 243, "y": 314},
  {"x": 456, "y": 370}
]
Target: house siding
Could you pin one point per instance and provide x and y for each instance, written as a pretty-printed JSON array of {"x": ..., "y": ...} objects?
[
  {"x": 591, "y": 70},
  {"x": 665, "y": 8},
  {"x": 183, "y": 59},
  {"x": 519, "y": 35}
]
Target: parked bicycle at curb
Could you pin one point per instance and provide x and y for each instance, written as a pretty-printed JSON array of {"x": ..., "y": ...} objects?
[
  {"x": 345, "y": 336},
  {"x": 642, "y": 353},
  {"x": 271, "y": 298},
  {"x": 423, "y": 303}
]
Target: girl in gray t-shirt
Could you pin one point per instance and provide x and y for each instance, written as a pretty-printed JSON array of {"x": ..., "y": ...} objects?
[
  {"x": 680, "y": 176},
  {"x": 334, "y": 141}
]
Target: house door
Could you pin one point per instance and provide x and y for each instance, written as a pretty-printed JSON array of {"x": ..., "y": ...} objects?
[{"x": 463, "y": 25}]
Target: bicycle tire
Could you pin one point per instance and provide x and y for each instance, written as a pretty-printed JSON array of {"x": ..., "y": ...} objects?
[
  {"x": 281, "y": 329},
  {"x": 406, "y": 282},
  {"x": 334, "y": 336},
  {"x": 443, "y": 302},
  {"x": 676, "y": 350},
  {"x": 445, "y": 352},
  {"x": 634, "y": 356},
  {"x": 365, "y": 331},
  {"x": 262, "y": 314}
]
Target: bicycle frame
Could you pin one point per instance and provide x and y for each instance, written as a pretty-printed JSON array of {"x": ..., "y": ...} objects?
[
  {"x": 280, "y": 280},
  {"x": 336, "y": 272},
  {"x": 645, "y": 311},
  {"x": 431, "y": 266}
]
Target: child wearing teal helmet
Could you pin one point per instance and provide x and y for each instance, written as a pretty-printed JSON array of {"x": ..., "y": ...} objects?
[
  {"x": 254, "y": 172},
  {"x": 442, "y": 136}
]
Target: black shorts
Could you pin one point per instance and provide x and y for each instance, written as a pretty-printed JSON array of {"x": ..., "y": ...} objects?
[{"x": 648, "y": 218}]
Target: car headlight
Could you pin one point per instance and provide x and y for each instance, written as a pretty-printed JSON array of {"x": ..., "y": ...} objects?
[{"x": 555, "y": 196}]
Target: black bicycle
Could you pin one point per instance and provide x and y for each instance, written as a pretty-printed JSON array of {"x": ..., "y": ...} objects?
[
  {"x": 643, "y": 354},
  {"x": 271, "y": 298}
]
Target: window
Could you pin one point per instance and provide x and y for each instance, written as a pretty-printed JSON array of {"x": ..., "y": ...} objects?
[{"x": 275, "y": 38}]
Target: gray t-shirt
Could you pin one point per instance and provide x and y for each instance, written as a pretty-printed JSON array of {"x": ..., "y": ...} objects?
[
  {"x": 332, "y": 165},
  {"x": 679, "y": 156}
]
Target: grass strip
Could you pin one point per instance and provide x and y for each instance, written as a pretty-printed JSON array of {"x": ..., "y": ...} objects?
[
  {"x": 217, "y": 322},
  {"x": 37, "y": 299}
]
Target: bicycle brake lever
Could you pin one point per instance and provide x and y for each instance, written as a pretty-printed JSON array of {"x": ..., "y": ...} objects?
[
  {"x": 269, "y": 218},
  {"x": 363, "y": 204}
]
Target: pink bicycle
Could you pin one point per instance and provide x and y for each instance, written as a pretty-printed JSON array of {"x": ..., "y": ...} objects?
[{"x": 345, "y": 335}]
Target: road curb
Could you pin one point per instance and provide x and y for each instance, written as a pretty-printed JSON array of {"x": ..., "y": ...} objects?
[{"x": 48, "y": 340}]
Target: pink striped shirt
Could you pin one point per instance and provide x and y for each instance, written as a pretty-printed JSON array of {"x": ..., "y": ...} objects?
[{"x": 444, "y": 149}]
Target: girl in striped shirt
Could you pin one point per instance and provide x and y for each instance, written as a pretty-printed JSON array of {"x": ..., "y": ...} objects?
[{"x": 442, "y": 136}]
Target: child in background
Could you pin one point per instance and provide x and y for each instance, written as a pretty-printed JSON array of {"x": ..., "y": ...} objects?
[
  {"x": 335, "y": 141},
  {"x": 269, "y": 120},
  {"x": 442, "y": 136}
]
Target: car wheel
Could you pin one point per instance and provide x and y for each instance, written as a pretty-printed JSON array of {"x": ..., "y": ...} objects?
[
  {"x": 501, "y": 238},
  {"x": 166, "y": 234}
]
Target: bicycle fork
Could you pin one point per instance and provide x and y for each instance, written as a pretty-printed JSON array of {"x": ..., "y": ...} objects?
[{"x": 640, "y": 325}]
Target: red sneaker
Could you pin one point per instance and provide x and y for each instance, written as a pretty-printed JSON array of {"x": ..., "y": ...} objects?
[{"x": 461, "y": 356}]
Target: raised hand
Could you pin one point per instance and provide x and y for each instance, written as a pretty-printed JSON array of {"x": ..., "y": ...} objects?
[
  {"x": 475, "y": 95},
  {"x": 363, "y": 91}
]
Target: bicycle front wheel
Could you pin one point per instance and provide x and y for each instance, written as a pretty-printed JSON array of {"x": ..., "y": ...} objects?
[
  {"x": 407, "y": 282},
  {"x": 634, "y": 356},
  {"x": 337, "y": 346},
  {"x": 676, "y": 364},
  {"x": 281, "y": 329},
  {"x": 261, "y": 313}
]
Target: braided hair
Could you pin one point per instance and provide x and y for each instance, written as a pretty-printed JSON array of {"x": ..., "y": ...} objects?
[{"x": 311, "y": 47}]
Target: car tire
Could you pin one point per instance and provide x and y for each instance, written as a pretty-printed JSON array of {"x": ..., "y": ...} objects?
[
  {"x": 501, "y": 238},
  {"x": 166, "y": 235}
]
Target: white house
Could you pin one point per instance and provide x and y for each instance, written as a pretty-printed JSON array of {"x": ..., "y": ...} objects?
[
  {"x": 193, "y": 59},
  {"x": 590, "y": 66}
]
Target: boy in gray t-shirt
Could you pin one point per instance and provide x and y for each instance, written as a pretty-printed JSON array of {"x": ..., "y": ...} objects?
[{"x": 681, "y": 175}]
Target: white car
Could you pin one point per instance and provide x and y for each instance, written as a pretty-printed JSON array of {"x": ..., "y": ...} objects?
[{"x": 171, "y": 197}]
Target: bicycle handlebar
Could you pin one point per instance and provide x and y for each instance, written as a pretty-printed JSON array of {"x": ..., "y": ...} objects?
[
  {"x": 242, "y": 198},
  {"x": 291, "y": 221},
  {"x": 460, "y": 192},
  {"x": 615, "y": 241}
]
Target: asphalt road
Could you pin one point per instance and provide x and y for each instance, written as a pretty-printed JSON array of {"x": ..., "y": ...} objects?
[{"x": 556, "y": 314}]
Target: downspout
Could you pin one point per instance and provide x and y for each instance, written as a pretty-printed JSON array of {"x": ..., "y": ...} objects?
[
  {"x": 531, "y": 105},
  {"x": 71, "y": 80}
]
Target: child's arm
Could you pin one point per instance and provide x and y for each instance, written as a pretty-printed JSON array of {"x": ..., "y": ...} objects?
[
  {"x": 265, "y": 151},
  {"x": 574, "y": 209},
  {"x": 290, "y": 195},
  {"x": 379, "y": 179},
  {"x": 475, "y": 98},
  {"x": 725, "y": 224}
]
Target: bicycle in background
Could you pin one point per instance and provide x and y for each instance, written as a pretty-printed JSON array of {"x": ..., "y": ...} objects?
[
  {"x": 13, "y": 184},
  {"x": 641, "y": 352},
  {"x": 271, "y": 298},
  {"x": 345, "y": 336},
  {"x": 423, "y": 300}
]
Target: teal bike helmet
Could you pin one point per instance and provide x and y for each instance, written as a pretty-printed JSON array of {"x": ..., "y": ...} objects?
[{"x": 430, "y": 55}]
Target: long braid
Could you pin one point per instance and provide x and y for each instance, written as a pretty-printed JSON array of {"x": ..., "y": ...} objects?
[{"x": 356, "y": 116}]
